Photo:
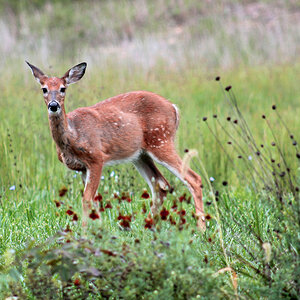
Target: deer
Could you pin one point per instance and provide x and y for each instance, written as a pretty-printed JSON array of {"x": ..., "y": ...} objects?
[{"x": 137, "y": 127}]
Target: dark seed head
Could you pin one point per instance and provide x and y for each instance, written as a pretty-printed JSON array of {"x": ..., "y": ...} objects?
[
  {"x": 218, "y": 78},
  {"x": 235, "y": 121},
  {"x": 298, "y": 155},
  {"x": 228, "y": 119},
  {"x": 208, "y": 217},
  {"x": 291, "y": 136},
  {"x": 229, "y": 143},
  {"x": 273, "y": 106},
  {"x": 258, "y": 153},
  {"x": 215, "y": 116},
  {"x": 240, "y": 156},
  {"x": 261, "y": 145},
  {"x": 225, "y": 183},
  {"x": 273, "y": 144},
  {"x": 186, "y": 150},
  {"x": 272, "y": 160},
  {"x": 204, "y": 119},
  {"x": 62, "y": 191},
  {"x": 263, "y": 116},
  {"x": 228, "y": 88},
  {"x": 297, "y": 189},
  {"x": 294, "y": 143}
]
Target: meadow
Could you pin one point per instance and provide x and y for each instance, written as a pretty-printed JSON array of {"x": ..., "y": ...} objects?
[{"x": 246, "y": 139}]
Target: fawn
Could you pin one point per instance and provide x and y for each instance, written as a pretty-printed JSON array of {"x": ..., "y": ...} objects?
[{"x": 137, "y": 127}]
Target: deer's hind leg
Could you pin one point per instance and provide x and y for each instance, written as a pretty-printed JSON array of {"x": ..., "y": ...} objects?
[
  {"x": 168, "y": 157},
  {"x": 159, "y": 186}
]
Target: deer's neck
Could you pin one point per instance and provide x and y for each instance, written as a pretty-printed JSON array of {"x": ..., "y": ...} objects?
[{"x": 59, "y": 128}]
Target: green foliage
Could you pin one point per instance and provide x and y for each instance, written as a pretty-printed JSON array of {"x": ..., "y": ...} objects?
[{"x": 105, "y": 266}]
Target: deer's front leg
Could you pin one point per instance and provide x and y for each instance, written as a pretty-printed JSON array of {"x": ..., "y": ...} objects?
[{"x": 91, "y": 180}]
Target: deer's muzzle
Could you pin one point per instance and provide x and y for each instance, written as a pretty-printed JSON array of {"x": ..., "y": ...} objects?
[{"x": 53, "y": 106}]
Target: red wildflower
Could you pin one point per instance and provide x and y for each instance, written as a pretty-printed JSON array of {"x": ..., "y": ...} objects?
[
  {"x": 182, "y": 221},
  {"x": 75, "y": 217},
  {"x": 124, "y": 218},
  {"x": 57, "y": 203},
  {"x": 101, "y": 208},
  {"x": 108, "y": 205},
  {"x": 77, "y": 282},
  {"x": 125, "y": 224},
  {"x": 68, "y": 229},
  {"x": 145, "y": 195},
  {"x": 172, "y": 221},
  {"x": 181, "y": 212},
  {"x": 128, "y": 199},
  {"x": 116, "y": 196},
  {"x": 123, "y": 197},
  {"x": 98, "y": 197},
  {"x": 93, "y": 215},
  {"x": 62, "y": 191},
  {"x": 164, "y": 213},
  {"x": 69, "y": 212},
  {"x": 182, "y": 198},
  {"x": 174, "y": 205},
  {"x": 149, "y": 222}
]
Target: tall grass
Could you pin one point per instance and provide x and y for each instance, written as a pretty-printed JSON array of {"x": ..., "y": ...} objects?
[{"x": 184, "y": 34}]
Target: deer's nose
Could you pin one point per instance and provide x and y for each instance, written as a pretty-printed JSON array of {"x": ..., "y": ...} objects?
[{"x": 53, "y": 106}]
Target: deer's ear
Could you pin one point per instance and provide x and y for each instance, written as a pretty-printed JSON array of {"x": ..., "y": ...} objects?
[
  {"x": 37, "y": 73},
  {"x": 75, "y": 73}
]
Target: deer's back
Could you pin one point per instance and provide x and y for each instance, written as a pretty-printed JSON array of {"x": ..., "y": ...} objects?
[{"x": 126, "y": 123}]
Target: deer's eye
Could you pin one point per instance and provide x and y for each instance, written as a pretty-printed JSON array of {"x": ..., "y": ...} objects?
[
  {"x": 45, "y": 90},
  {"x": 62, "y": 90}
]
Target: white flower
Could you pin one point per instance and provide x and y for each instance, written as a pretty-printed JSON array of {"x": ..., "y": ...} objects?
[
  {"x": 12, "y": 188},
  {"x": 211, "y": 179},
  {"x": 250, "y": 157},
  {"x": 112, "y": 174},
  {"x": 102, "y": 177}
]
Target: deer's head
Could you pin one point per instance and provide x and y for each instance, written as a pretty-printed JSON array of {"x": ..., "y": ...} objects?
[{"x": 54, "y": 88}]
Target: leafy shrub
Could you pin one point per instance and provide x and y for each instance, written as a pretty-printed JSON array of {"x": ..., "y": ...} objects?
[{"x": 105, "y": 267}]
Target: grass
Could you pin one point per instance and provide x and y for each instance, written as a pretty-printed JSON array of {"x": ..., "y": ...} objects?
[{"x": 31, "y": 177}]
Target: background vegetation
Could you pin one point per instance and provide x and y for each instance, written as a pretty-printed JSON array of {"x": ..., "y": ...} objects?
[{"x": 176, "y": 49}]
